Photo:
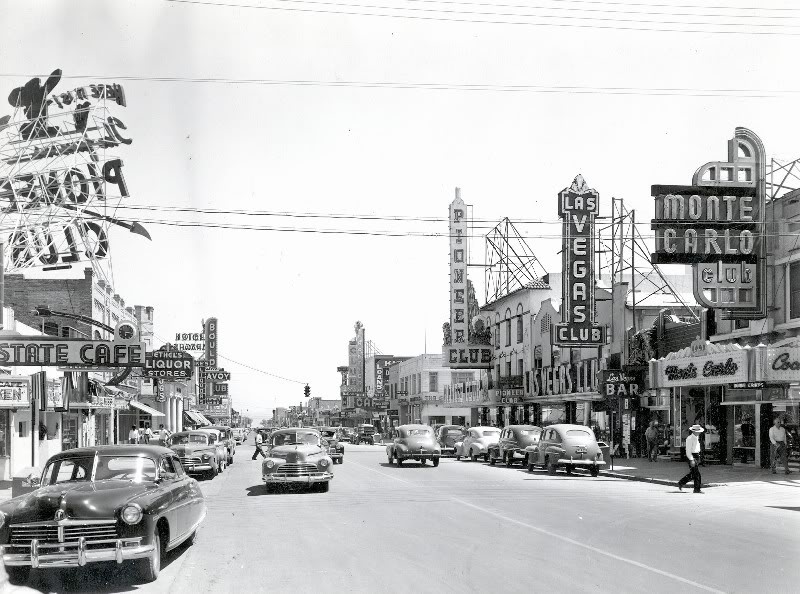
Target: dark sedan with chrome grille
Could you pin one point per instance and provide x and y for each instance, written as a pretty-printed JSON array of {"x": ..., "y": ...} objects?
[
  {"x": 297, "y": 456},
  {"x": 128, "y": 503}
]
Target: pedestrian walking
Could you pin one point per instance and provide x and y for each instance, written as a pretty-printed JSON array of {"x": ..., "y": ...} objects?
[
  {"x": 147, "y": 434},
  {"x": 259, "y": 441},
  {"x": 651, "y": 435},
  {"x": 133, "y": 435},
  {"x": 163, "y": 434},
  {"x": 693, "y": 456},
  {"x": 777, "y": 439}
]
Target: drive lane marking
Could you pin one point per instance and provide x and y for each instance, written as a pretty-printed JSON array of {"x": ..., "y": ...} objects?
[{"x": 555, "y": 535}]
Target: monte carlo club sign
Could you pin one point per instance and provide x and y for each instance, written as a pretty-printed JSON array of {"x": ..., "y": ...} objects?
[
  {"x": 717, "y": 225},
  {"x": 577, "y": 206}
]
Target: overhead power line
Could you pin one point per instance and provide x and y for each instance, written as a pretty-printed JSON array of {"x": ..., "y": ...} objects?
[
  {"x": 591, "y": 22},
  {"x": 468, "y": 87}
]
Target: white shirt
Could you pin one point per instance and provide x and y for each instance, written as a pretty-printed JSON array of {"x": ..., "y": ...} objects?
[
  {"x": 259, "y": 439},
  {"x": 133, "y": 434},
  {"x": 692, "y": 446},
  {"x": 777, "y": 434}
]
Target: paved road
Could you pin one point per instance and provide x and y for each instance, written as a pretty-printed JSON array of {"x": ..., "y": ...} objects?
[{"x": 474, "y": 528}]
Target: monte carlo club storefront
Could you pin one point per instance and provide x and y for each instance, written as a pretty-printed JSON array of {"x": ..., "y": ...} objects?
[{"x": 734, "y": 392}]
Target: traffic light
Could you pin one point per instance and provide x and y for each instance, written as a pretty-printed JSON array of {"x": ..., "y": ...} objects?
[{"x": 307, "y": 391}]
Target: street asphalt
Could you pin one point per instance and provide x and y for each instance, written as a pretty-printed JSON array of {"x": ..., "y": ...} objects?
[{"x": 470, "y": 527}]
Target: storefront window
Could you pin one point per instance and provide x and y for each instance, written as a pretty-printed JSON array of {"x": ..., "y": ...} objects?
[
  {"x": 553, "y": 413},
  {"x": 744, "y": 434},
  {"x": 5, "y": 434},
  {"x": 69, "y": 432}
]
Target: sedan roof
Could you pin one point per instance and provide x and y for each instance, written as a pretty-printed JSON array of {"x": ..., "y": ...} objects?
[{"x": 132, "y": 449}]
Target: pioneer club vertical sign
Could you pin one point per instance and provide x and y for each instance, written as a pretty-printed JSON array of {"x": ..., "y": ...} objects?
[{"x": 578, "y": 206}]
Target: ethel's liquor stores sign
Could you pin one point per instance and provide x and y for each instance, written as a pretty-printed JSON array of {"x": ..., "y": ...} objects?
[
  {"x": 168, "y": 364},
  {"x": 578, "y": 206}
]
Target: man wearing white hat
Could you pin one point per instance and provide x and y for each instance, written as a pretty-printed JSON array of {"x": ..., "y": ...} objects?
[{"x": 693, "y": 455}]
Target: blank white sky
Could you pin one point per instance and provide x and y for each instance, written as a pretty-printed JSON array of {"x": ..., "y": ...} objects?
[{"x": 286, "y": 302}]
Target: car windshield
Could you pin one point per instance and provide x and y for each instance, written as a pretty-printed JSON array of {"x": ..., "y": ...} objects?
[
  {"x": 294, "y": 438},
  {"x": 422, "y": 431},
  {"x": 184, "y": 439},
  {"x": 79, "y": 468},
  {"x": 328, "y": 433}
]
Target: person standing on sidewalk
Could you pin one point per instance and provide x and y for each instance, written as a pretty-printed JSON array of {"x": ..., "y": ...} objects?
[
  {"x": 693, "y": 456},
  {"x": 651, "y": 435},
  {"x": 259, "y": 441},
  {"x": 133, "y": 435},
  {"x": 777, "y": 439}
]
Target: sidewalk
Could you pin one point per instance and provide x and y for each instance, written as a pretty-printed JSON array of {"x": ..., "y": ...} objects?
[{"x": 666, "y": 472}]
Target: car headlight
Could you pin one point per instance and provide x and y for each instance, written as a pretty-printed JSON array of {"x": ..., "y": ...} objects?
[
  {"x": 206, "y": 457},
  {"x": 131, "y": 514},
  {"x": 323, "y": 463},
  {"x": 269, "y": 463}
]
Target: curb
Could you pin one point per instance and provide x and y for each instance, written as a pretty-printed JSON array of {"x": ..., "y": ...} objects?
[{"x": 655, "y": 481}]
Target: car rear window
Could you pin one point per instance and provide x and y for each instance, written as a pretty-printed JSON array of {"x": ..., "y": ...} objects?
[
  {"x": 578, "y": 433},
  {"x": 417, "y": 432},
  {"x": 530, "y": 432},
  {"x": 455, "y": 432},
  {"x": 490, "y": 433}
]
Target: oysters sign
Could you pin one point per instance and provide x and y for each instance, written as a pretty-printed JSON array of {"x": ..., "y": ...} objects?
[{"x": 578, "y": 206}]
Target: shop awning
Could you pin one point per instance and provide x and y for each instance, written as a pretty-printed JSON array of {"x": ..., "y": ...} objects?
[
  {"x": 202, "y": 418},
  {"x": 196, "y": 417},
  {"x": 146, "y": 409}
]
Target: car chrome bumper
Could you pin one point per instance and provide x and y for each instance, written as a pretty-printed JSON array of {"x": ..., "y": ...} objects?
[
  {"x": 418, "y": 455},
  {"x": 198, "y": 468},
  {"x": 75, "y": 554},
  {"x": 317, "y": 477},
  {"x": 581, "y": 462},
  {"x": 335, "y": 455}
]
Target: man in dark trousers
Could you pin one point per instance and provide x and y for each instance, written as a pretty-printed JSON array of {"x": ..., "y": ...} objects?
[
  {"x": 693, "y": 456},
  {"x": 259, "y": 441}
]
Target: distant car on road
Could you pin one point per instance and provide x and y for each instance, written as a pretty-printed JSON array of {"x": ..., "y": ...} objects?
[
  {"x": 365, "y": 434},
  {"x": 239, "y": 434},
  {"x": 413, "y": 442},
  {"x": 227, "y": 437},
  {"x": 477, "y": 442},
  {"x": 335, "y": 447},
  {"x": 199, "y": 452},
  {"x": 511, "y": 446},
  {"x": 346, "y": 434},
  {"x": 128, "y": 504},
  {"x": 296, "y": 456},
  {"x": 568, "y": 446},
  {"x": 447, "y": 436}
]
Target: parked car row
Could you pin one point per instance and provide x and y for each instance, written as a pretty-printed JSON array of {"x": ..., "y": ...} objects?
[{"x": 556, "y": 446}]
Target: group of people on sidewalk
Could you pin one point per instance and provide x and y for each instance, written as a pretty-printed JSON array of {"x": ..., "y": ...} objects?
[{"x": 147, "y": 435}]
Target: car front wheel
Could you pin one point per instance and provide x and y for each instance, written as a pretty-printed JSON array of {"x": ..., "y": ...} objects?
[
  {"x": 18, "y": 575},
  {"x": 530, "y": 466},
  {"x": 594, "y": 471},
  {"x": 435, "y": 462},
  {"x": 149, "y": 568},
  {"x": 473, "y": 456},
  {"x": 486, "y": 457},
  {"x": 551, "y": 468},
  {"x": 491, "y": 460},
  {"x": 397, "y": 460}
]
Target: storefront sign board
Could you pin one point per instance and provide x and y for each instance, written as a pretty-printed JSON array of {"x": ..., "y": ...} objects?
[
  {"x": 168, "y": 364},
  {"x": 782, "y": 364},
  {"x": 44, "y": 350},
  {"x": 570, "y": 378},
  {"x": 715, "y": 369},
  {"x": 577, "y": 206},
  {"x": 15, "y": 392}
]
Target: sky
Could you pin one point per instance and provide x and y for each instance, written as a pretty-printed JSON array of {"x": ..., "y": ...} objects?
[{"x": 294, "y": 108}]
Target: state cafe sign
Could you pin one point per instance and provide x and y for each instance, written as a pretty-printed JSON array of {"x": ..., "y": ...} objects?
[{"x": 41, "y": 351}]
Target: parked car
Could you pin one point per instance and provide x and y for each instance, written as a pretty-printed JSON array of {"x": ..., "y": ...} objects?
[
  {"x": 129, "y": 504},
  {"x": 511, "y": 446},
  {"x": 239, "y": 434},
  {"x": 477, "y": 442},
  {"x": 569, "y": 446},
  {"x": 413, "y": 442},
  {"x": 227, "y": 437},
  {"x": 346, "y": 434},
  {"x": 447, "y": 436},
  {"x": 335, "y": 447},
  {"x": 219, "y": 441},
  {"x": 297, "y": 456},
  {"x": 365, "y": 434},
  {"x": 199, "y": 452}
]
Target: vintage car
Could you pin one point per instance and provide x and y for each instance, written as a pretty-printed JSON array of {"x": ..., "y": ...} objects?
[
  {"x": 511, "y": 446},
  {"x": 296, "y": 456},
  {"x": 227, "y": 437},
  {"x": 413, "y": 442},
  {"x": 239, "y": 435},
  {"x": 335, "y": 447},
  {"x": 346, "y": 434},
  {"x": 365, "y": 434},
  {"x": 128, "y": 503},
  {"x": 199, "y": 452},
  {"x": 570, "y": 446},
  {"x": 447, "y": 436},
  {"x": 477, "y": 442}
]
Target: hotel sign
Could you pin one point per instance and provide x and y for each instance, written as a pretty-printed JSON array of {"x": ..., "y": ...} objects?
[
  {"x": 577, "y": 206},
  {"x": 717, "y": 224}
]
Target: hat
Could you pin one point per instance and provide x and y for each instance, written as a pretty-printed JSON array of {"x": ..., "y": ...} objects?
[{"x": 696, "y": 428}]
